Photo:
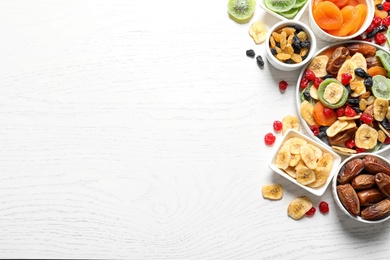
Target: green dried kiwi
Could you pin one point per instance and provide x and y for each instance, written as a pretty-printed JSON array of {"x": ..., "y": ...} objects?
[
  {"x": 279, "y": 6},
  {"x": 323, "y": 93},
  {"x": 241, "y": 11}
]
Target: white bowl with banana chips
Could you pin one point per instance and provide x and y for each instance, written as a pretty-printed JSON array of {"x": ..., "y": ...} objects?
[{"x": 324, "y": 149}]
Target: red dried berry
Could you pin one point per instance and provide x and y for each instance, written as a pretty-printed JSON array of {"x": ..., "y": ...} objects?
[
  {"x": 387, "y": 140},
  {"x": 283, "y": 85},
  {"x": 304, "y": 82},
  {"x": 315, "y": 129},
  {"x": 309, "y": 74},
  {"x": 323, "y": 207},
  {"x": 269, "y": 139},
  {"x": 277, "y": 126},
  {"x": 317, "y": 82},
  {"x": 350, "y": 112},
  {"x": 370, "y": 28},
  {"x": 350, "y": 143},
  {"x": 376, "y": 20},
  {"x": 386, "y": 21},
  {"x": 360, "y": 150},
  {"x": 366, "y": 118},
  {"x": 328, "y": 112},
  {"x": 340, "y": 111},
  {"x": 311, "y": 212},
  {"x": 380, "y": 38},
  {"x": 346, "y": 78},
  {"x": 386, "y": 6}
]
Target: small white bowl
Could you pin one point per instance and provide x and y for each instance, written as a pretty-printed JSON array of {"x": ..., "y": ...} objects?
[
  {"x": 336, "y": 197},
  {"x": 331, "y": 38},
  {"x": 281, "y": 17},
  {"x": 336, "y": 162},
  {"x": 284, "y": 66}
]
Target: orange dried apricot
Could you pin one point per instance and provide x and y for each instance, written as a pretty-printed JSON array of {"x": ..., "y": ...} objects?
[
  {"x": 339, "y": 3},
  {"x": 361, "y": 11},
  {"x": 377, "y": 70},
  {"x": 327, "y": 15},
  {"x": 349, "y": 20},
  {"x": 381, "y": 13},
  {"x": 320, "y": 117},
  {"x": 353, "y": 2}
]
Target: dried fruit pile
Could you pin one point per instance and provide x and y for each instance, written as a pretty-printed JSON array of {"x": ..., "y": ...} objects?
[
  {"x": 346, "y": 102},
  {"x": 290, "y": 44},
  {"x": 304, "y": 162},
  {"x": 363, "y": 187},
  {"x": 339, "y": 17}
]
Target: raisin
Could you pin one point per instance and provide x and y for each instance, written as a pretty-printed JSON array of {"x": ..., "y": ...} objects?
[
  {"x": 250, "y": 53},
  {"x": 306, "y": 95},
  {"x": 260, "y": 61},
  {"x": 368, "y": 82},
  {"x": 385, "y": 123},
  {"x": 353, "y": 101},
  {"x": 273, "y": 51},
  {"x": 361, "y": 73}
]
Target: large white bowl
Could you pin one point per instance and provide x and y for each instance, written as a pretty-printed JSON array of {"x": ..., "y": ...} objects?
[
  {"x": 331, "y": 38},
  {"x": 298, "y": 98},
  {"x": 336, "y": 161},
  {"x": 336, "y": 197},
  {"x": 284, "y": 66}
]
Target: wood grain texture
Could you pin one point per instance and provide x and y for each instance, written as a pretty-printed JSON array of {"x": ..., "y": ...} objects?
[{"x": 134, "y": 132}]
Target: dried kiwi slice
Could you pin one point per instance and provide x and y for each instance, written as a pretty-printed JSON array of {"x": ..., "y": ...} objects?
[
  {"x": 299, "y": 3},
  {"x": 279, "y": 6},
  {"x": 385, "y": 59},
  {"x": 241, "y": 11},
  {"x": 381, "y": 87},
  {"x": 290, "y": 13}
]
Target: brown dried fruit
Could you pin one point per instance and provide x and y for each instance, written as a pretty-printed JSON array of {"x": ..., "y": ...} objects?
[
  {"x": 370, "y": 196},
  {"x": 350, "y": 170},
  {"x": 366, "y": 49},
  {"x": 341, "y": 137},
  {"x": 377, "y": 211},
  {"x": 349, "y": 198},
  {"x": 373, "y": 61},
  {"x": 336, "y": 60},
  {"x": 363, "y": 181},
  {"x": 383, "y": 182},
  {"x": 375, "y": 165}
]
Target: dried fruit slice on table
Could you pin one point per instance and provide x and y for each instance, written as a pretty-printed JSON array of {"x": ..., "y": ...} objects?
[
  {"x": 298, "y": 207},
  {"x": 272, "y": 191},
  {"x": 241, "y": 11}
]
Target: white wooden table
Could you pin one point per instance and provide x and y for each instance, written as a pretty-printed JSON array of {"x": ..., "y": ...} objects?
[{"x": 134, "y": 130}]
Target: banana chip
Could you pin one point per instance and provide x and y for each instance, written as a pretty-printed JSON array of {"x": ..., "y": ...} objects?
[
  {"x": 336, "y": 128},
  {"x": 258, "y": 31},
  {"x": 290, "y": 122},
  {"x": 366, "y": 137},
  {"x": 298, "y": 207},
  {"x": 272, "y": 191}
]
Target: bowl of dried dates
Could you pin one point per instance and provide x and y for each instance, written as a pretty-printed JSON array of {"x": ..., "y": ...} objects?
[
  {"x": 290, "y": 45},
  {"x": 361, "y": 187},
  {"x": 342, "y": 97}
]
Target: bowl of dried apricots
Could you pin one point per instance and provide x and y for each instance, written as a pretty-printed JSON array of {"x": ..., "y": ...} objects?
[
  {"x": 343, "y": 97},
  {"x": 290, "y": 45},
  {"x": 340, "y": 20}
]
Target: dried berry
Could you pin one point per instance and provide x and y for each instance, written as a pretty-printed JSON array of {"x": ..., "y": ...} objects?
[
  {"x": 277, "y": 125},
  {"x": 324, "y": 207},
  {"x": 260, "y": 61},
  {"x": 269, "y": 139},
  {"x": 250, "y": 53}
]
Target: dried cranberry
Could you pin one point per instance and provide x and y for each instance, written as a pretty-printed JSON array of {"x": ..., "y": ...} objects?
[
  {"x": 309, "y": 74},
  {"x": 304, "y": 82},
  {"x": 377, "y": 20},
  {"x": 269, "y": 139},
  {"x": 328, "y": 112},
  {"x": 346, "y": 78},
  {"x": 387, "y": 140},
  {"x": 350, "y": 112},
  {"x": 386, "y": 6},
  {"x": 366, "y": 118},
  {"x": 277, "y": 126},
  {"x": 360, "y": 150},
  {"x": 340, "y": 111},
  {"x": 324, "y": 207},
  {"x": 315, "y": 129},
  {"x": 350, "y": 143},
  {"x": 370, "y": 28},
  {"x": 380, "y": 38},
  {"x": 311, "y": 212},
  {"x": 386, "y": 21},
  {"x": 283, "y": 85},
  {"x": 317, "y": 82}
]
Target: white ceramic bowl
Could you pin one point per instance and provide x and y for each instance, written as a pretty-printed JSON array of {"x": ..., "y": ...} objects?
[
  {"x": 337, "y": 199},
  {"x": 298, "y": 90},
  {"x": 336, "y": 161},
  {"x": 331, "y": 38},
  {"x": 284, "y": 66},
  {"x": 281, "y": 17}
]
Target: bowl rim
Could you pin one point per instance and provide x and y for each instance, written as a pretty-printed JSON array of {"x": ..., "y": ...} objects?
[
  {"x": 370, "y": 15},
  {"x": 334, "y": 191},
  {"x": 336, "y": 162},
  {"x": 306, "y": 28},
  {"x": 298, "y": 101}
]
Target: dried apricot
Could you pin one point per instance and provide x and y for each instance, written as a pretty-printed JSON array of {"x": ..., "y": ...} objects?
[
  {"x": 322, "y": 118},
  {"x": 361, "y": 11},
  {"x": 339, "y": 3},
  {"x": 327, "y": 15},
  {"x": 353, "y": 2},
  {"x": 349, "y": 20},
  {"x": 377, "y": 70}
]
